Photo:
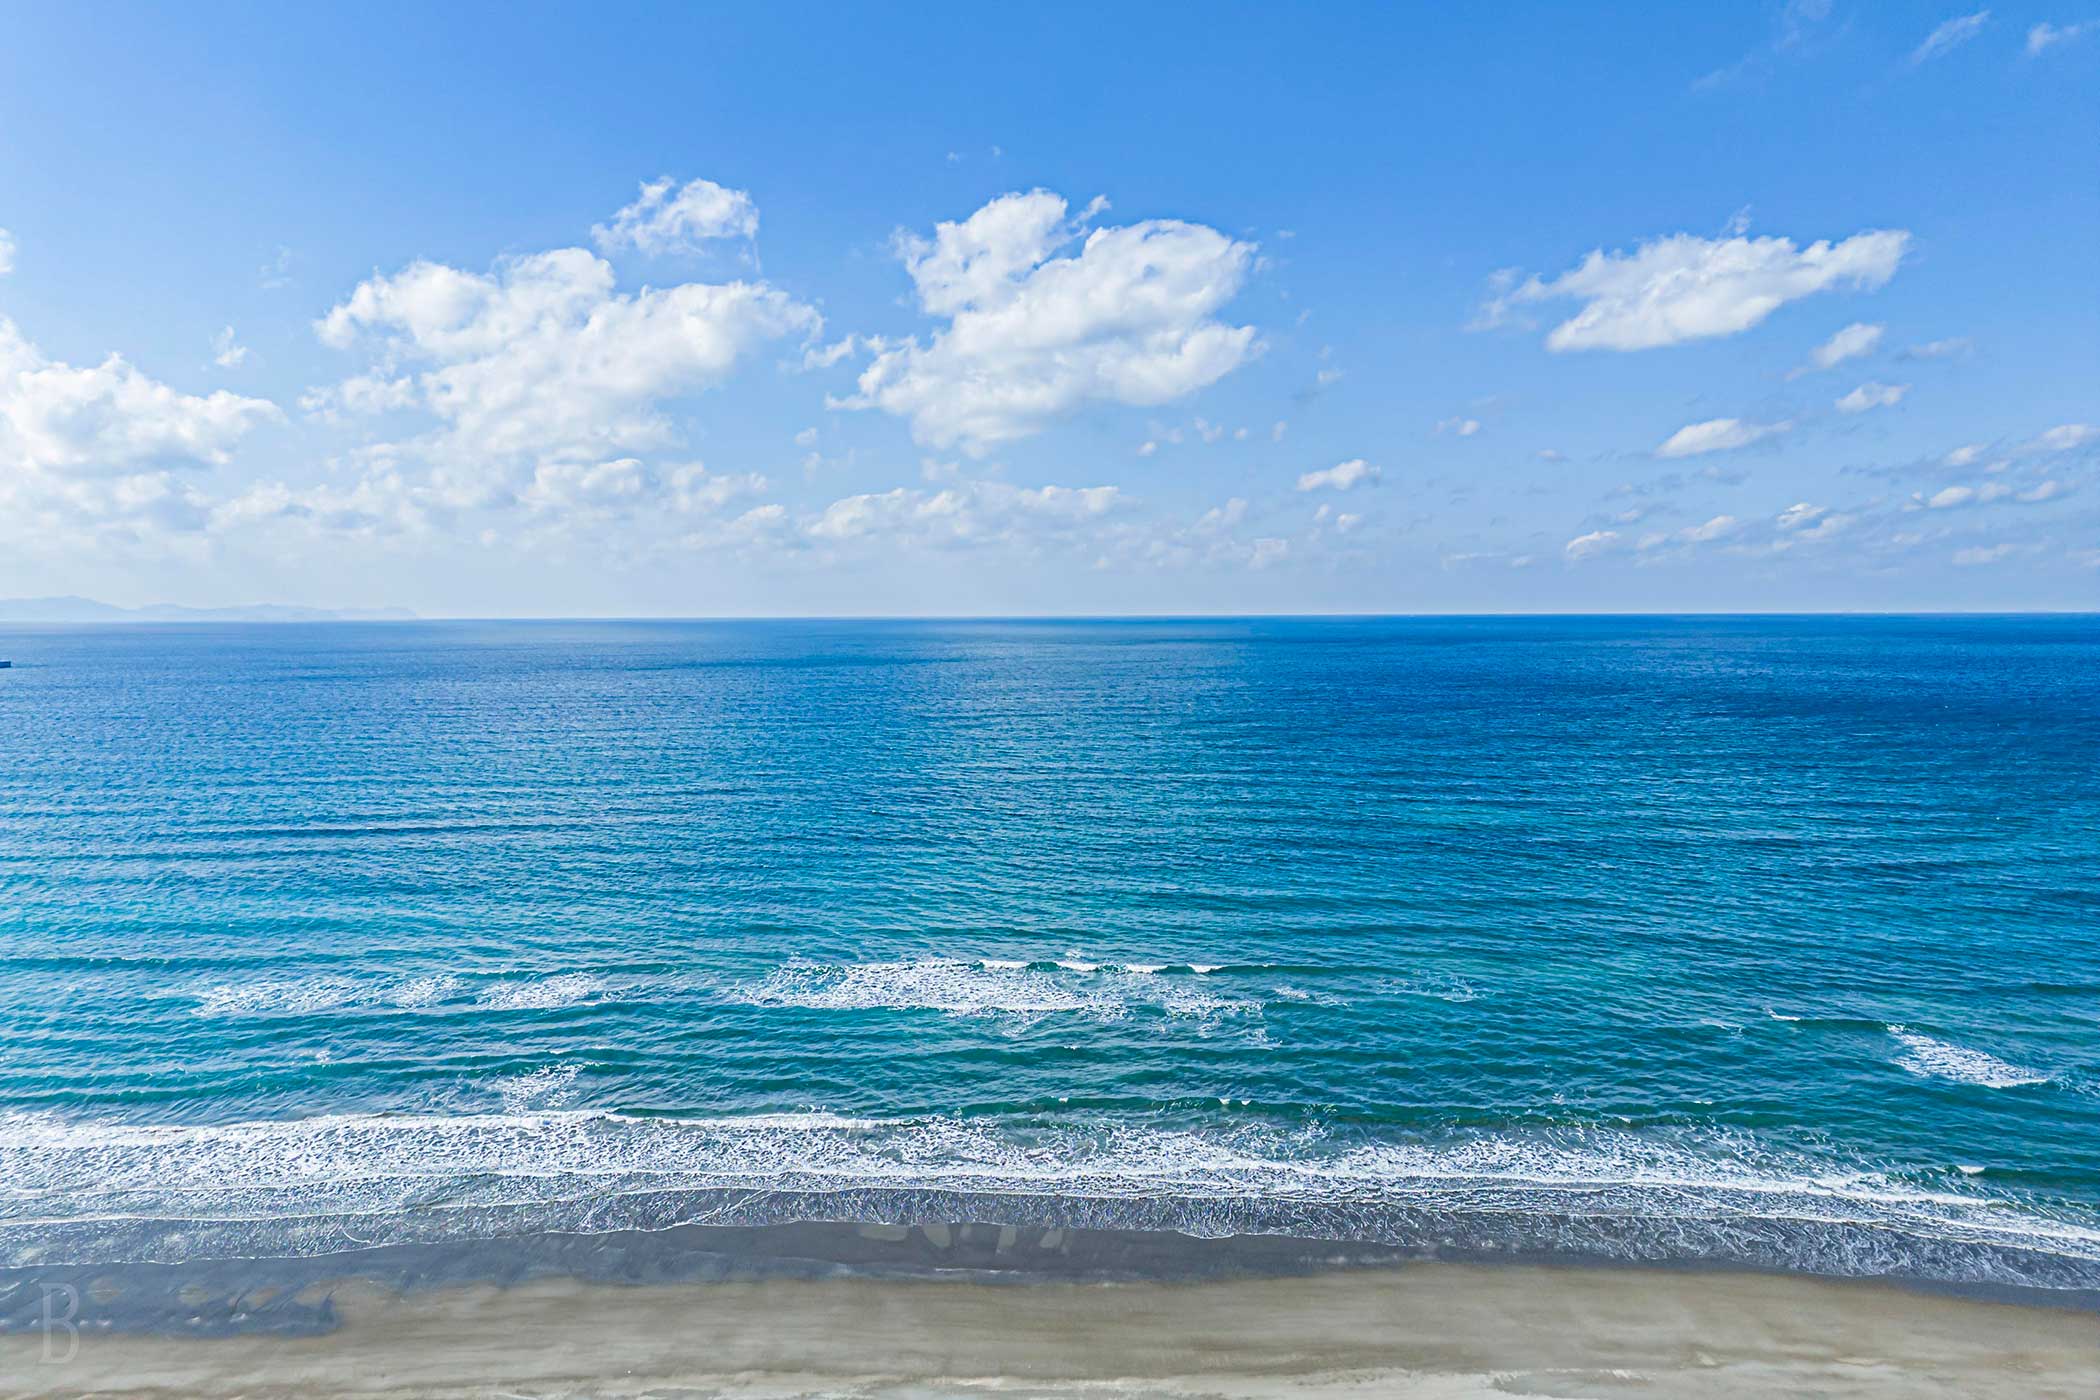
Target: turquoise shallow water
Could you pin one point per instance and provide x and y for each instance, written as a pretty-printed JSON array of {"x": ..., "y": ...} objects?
[{"x": 1768, "y": 941}]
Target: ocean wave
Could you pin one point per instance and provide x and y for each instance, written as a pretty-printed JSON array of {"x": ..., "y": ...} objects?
[
  {"x": 1438, "y": 986},
  {"x": 550, "y": 1086},
  {"x": 1937, "y": 1059},
  {"x": 325, "y": 993},
  {"x": 993, "y": 987},
  {"x": 265, "y": 996},
  {"x": 540, "y": 993},
  {"x": 105, "y": 1192}
]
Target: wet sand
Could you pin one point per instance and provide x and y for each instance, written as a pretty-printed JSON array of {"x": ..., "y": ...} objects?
[{"x": 1430, "y": 1329}]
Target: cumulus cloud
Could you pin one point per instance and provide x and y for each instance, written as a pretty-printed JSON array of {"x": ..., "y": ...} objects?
[
  {"x": 7, "y": 252},
  {"x": 966, "y": 513},
  {"x": 1595, "y": 542},
  {"x": 1952, "y": 34},
  {"x": 1714, "y": 529},
  {"x": 1038, "y": 327},
  {"x": 1464, "y": 427},
  {"x": 1683, "y": 288},
  {"x": 2067, "y": 436},
  {"x": 2046, "y": 36},
  {"x": 1855, "y": 340},
  {"x": 1872, "y": 395},
  {"x": 109, "y": 419},
  {"x": 542, "y": 358},
  {"x": 1342, "y": 476},
  {"x": 1939, "y": 349},
  {"x": 378, "y": 504},
  {"x": 671, "y": 218},
  {"x": 1717, "y": 435},
  {"x": 1343, "y": 521},
  {"x": 1802, "y": 522},
  {"x": 1990, "y": 492},
  {"x": 226, "y": 351}
]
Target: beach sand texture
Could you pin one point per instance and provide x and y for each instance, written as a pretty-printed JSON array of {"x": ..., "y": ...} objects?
[{"x": 1438, "y": 1330}]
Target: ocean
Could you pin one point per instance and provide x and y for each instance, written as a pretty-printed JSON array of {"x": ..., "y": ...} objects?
[{"x": 1759, "y": 942}]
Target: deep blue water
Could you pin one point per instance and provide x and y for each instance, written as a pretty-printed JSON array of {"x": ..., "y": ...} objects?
[{"x": 1772, "y": 941}]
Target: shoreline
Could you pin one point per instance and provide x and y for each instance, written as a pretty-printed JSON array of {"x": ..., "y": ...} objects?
[{"x": 578, "y": 1319}]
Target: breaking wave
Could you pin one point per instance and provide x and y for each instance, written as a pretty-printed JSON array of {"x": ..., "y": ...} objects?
[
  {"x": 108, "y": 1192},
  {"x": 1936, "y": 1059},
  {"x": 990, "y": 987},
  {"x": 298, "y": 995}
]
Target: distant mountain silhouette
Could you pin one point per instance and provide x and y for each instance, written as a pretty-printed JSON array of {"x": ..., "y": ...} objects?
[{"x": 88, "y": 610}]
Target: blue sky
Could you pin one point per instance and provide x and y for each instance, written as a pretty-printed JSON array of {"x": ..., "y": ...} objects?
[{"x": 1117, "y": 309}]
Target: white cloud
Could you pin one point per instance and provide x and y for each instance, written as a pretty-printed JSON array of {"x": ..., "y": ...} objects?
[
  {"x": 2067, "y": 436},
  {"x": 1964, "y": 456},
  {"x": 1939, "y": 349},
  {"x": 969, "y": 512},
  {"x": 673, "y": 218},
  {"x": 227, "y": 353},
  {"x": 1799, "y": 25},
  {"x": 1032, "y": 335},
  {"x": 1343, "y": 521},
  {"x": 1803, "y": 523},
  {"x": 1682, "y": 288},
  {"x": 1855, "y": 340},
  {"x": 1717, "y": 435},
  {"x": 2046, "y": 36},
  {"x": 1595, "y": 542},
  {"x": 825, "y": 356},
  {"x": 1949, "y": 497},
  {"x": 360, "y": 395},
  {"x": 1872, "y": 395},
  {"x": 542, "y": 358},
  {"x": 1982, "y": 554},
  {"x": 1464, "y": 427},
  {"x": 109, "y": 419},
  {"x": 1341, "y": 477},
  {"x": 569, "y": 486},
  {"x": 1714, "y": 529},
  {"x": 1949, "y": 35},
  {"x": 380, "y": 503},
  {"x": 7, "y": 252},
  {"x": 1218, "y": 519}
]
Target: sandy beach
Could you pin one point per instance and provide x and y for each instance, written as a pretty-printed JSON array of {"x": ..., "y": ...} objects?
[{"x": 1442, "y": 1330}]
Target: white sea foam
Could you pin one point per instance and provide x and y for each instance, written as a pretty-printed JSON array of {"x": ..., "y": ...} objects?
[
  {"x": 272, "y": 995},
  {"x": 1936, "y": 1059},
  {"x": 563, "y": 989},
  {"x": 550, "y": 1086},
  {"x": 1605, "y": 1191},
  {"x": 1438, "y": 986},
  {"x": 328, "y": 992},
  {"x": 963, "y": 987}
]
